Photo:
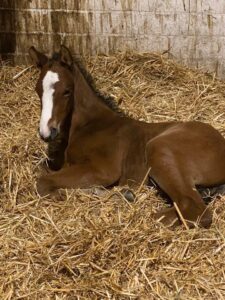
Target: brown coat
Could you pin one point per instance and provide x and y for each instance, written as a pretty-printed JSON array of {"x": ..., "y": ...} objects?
[{"x": 99, "y": 146}]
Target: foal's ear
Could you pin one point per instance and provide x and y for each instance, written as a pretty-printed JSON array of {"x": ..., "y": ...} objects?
[
  {"x": 38, "y": 58},
  {"x": 66, "y": 56}
]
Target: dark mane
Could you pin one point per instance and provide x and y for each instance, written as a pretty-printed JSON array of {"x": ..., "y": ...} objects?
[{"x": 108, "y": 100}]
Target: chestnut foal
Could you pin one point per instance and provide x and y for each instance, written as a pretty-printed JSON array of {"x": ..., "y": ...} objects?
[{"x": 92, "y": 143}]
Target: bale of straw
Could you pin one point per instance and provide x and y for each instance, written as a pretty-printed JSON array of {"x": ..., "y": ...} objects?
[{"x": 91, "y": 245}]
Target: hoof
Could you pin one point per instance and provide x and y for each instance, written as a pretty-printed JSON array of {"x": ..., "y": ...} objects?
[
  {"x": 167, "y": 217},
  {"x": 206, "y": 219},
  {"x": 128, "y": 195},
  {"x": 44, "y": 186}
]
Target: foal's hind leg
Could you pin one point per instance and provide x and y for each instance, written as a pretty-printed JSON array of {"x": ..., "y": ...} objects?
[{"x": 178, "y": 185}]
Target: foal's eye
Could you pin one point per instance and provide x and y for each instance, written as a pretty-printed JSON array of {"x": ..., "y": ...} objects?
[{"x": 67, "y": 93}]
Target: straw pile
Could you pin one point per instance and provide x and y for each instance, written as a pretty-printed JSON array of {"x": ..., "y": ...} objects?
[{"x": 87, "y": 245}]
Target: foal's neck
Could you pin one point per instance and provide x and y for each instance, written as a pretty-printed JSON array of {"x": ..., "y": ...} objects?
[{"x": 87, "y": 104}]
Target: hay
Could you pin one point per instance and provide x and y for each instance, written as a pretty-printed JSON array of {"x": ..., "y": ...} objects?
[{"x": 98, "y": 246}]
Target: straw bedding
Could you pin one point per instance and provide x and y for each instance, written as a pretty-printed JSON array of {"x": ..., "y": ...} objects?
[{"x": 93, "y": 244}]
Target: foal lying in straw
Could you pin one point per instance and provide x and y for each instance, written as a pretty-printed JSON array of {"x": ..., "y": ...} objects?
[{"x": 92, "y": 143}]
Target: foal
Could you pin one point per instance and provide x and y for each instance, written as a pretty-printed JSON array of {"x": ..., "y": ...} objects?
[{"x": 91, "y": 143}]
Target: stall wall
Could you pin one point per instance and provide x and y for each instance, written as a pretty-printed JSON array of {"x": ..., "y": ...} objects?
[{"x": 192, "y": 30}]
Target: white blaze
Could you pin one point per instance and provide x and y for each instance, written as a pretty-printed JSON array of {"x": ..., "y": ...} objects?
[{"x": 47, "y": 101}]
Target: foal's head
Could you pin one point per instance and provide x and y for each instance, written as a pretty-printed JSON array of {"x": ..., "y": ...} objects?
[{"x": 55, "y": 88}]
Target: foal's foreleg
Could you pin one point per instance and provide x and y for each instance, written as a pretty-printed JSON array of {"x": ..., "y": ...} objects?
[{"x": 76, "y": 176}]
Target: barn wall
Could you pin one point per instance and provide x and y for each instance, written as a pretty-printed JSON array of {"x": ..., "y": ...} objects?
[
  {"x": 7, "y": 28},
  {"x": 193, "y": 30}
]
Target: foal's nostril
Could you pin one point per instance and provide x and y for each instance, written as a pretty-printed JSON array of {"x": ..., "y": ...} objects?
[{"x": 54, "y": 132}]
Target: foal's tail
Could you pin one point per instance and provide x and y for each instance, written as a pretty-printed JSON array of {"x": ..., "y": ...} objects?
[{"x": 209, "y": 193}]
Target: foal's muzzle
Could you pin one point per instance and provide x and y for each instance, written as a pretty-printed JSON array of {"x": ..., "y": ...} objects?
[{"x": 53, "y": 134}]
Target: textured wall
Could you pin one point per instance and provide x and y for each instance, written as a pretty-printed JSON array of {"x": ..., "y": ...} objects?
[{"x": 193, "y": 30}]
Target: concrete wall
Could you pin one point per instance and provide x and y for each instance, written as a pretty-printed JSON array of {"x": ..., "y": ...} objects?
[{"x": 193, "y": 30}]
